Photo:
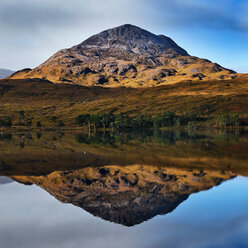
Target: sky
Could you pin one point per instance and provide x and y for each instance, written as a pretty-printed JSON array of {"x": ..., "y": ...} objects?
[{"x": 33, "y": 30}]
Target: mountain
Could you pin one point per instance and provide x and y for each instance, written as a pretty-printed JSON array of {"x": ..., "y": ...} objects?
[
  {"x": 5, "y": 180},
  {"x": 5, "y": 73},
  {"x": 125, "y": 56},
  {"x": 127, "y": 195}
]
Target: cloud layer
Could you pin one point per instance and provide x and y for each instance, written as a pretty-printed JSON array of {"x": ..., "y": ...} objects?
[{"x": 38, "y": 28}]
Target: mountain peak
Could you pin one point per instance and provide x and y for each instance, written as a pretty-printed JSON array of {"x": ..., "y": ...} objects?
[
  {"x": 133, "y": 39},
  {"x": 125, "y": 56},
  {"x": 127, "y": 27}
]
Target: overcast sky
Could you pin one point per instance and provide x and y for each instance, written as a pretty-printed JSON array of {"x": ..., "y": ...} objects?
[{"x": 32, "y": 30}]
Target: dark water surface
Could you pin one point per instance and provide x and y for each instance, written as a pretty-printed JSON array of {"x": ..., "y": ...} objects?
[{"x": 155, "y": 189}]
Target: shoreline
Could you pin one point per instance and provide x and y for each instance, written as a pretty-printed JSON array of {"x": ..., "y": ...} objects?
[{"x": 92, "y": 131}]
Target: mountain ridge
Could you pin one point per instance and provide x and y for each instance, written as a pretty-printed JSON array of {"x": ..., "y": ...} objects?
[
  {"x": 134, "y": 39},
  {"x": 125, "y": 56},
  {"x": 5, "y": 73}
]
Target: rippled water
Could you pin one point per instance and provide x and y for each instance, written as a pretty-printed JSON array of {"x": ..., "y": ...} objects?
[{"x": 170, "y": 189}]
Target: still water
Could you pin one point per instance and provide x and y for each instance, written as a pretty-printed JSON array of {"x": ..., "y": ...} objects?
[{"x": 170, "y": 189}]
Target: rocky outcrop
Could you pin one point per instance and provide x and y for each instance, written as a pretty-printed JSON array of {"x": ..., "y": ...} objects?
[
  {"x": 125, "y": 56},
  {"x": 130, "y": 39}
]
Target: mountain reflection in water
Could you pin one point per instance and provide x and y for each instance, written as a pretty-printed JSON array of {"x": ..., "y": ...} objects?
[
  {"x": 127, "y": 178},
  {"x": 126, "y": 195}
]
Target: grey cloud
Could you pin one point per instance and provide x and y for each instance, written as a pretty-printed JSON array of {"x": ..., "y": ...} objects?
[
  {"x": 30, "y": 16},
  {"x": 35, "y": 29},
  {"x": 191, "y": 13},
  {"x": 33, "y": 15}
]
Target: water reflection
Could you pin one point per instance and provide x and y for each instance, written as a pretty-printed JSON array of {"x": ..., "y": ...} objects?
[
  {"x": 217, "y": 218},
  {"x": 124, "y": 178},
  {"x": 5, "y": 180},
  {"x": 126, "y": 195},
  {"x": 43, "y": 153}
]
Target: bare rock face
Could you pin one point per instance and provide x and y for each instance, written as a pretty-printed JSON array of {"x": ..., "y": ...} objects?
[
  {"x": 130, "y": 39},
  {"x": 126, "y": 195},
  {"x": 123, "y": 53}
]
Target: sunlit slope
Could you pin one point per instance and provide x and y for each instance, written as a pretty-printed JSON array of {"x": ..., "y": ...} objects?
[
  {"x": 125, "y": 56},
  {"x": 47, "y": 102}
]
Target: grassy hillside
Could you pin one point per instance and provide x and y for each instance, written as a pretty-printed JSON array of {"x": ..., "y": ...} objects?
[{"x": 48, "y": 103}]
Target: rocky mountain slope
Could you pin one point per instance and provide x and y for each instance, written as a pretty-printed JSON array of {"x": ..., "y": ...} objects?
[
  {"x": 125, "y": 56},
  {"x": 5, "y": 73}
]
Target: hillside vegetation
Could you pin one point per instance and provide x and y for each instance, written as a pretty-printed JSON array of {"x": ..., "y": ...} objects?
[{"x": 51, "y": 104}]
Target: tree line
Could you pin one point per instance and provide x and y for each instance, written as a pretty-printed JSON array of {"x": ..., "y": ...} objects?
[
  {"x": 123, "y": 121},
  {"x": 5, "y": 122},
  {"x": 167, "y": 119}
]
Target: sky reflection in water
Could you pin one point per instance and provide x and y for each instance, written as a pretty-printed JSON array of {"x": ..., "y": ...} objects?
[{"x": 218, "y": 218}]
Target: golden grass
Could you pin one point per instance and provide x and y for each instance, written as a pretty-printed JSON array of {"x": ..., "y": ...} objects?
[{"x": 50, "y": 103}]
